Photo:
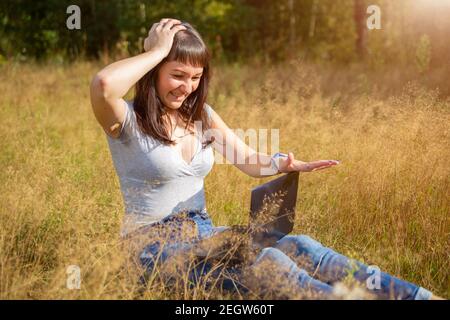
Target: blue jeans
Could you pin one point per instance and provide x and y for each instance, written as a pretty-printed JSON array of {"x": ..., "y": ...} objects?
[{"x": 297, "y": 262}]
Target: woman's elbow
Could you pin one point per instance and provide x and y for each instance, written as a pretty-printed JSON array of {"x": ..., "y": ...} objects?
[{"x": 100, "y": 86}]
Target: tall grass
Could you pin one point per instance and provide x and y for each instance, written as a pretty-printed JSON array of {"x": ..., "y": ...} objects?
[{"x": 386, "y": 204}]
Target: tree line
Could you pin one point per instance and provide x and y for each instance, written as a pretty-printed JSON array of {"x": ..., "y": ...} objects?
[{"x": 268, "y": 30}]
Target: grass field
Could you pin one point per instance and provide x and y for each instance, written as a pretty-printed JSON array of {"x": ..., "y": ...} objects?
[{"x": 387, "y": 204}]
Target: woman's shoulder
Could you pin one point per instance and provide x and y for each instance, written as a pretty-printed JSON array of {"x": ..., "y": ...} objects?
[
  {"x": 207, "y": 107},
  {"x": 130, "y": 104},
  {"x": 209, "y": 111}
]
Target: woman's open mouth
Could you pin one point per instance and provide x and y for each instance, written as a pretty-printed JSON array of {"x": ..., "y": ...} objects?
[{"x": 178, "y": 98}]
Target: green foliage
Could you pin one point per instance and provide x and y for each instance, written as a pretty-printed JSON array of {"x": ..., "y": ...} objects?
[{"x": 235, "y": 30}]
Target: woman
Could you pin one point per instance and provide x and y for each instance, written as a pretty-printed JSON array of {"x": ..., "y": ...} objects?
[{"x": 161, "y": 163}]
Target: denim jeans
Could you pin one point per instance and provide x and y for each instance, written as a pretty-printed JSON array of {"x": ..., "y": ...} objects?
[{"x": 320, "y": 269}]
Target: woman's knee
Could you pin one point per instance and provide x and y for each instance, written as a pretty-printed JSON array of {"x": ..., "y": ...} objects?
[
  {"x": 299, "y": 245},
  {"x": 273, "y": 258},
  {"x": 269, "y": 254},
  {"x": 272, "y": 262}
]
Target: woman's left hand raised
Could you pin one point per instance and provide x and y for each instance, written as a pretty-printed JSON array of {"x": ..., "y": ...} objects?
[{"x": 289, "y": 164}]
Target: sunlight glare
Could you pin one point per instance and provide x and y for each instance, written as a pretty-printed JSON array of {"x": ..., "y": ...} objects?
[{"x": 434, "y": 3}]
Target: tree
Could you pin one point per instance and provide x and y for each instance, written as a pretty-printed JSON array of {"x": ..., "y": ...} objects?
[{"x": 359, "y": 17}]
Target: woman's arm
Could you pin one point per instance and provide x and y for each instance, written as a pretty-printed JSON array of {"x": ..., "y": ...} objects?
[
  {"x": 251, "y": 162},
  {"x": 112, "y": 83},
  {"x": 232, "y": 148},
  {"x": 115, "y": 80}
]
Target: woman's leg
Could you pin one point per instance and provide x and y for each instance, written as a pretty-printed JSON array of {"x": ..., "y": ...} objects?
[
  {"x": 169, "y": 253},
  {"x": 332, "y": 267},
  {"x": 273, "y": 272}
]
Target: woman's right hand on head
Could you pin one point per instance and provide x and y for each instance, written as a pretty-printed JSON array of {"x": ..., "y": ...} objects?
[{"x": 160, "y": 37}]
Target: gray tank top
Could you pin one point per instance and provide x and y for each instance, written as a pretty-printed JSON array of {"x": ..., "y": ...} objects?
[{"x": 155, "y": 180}]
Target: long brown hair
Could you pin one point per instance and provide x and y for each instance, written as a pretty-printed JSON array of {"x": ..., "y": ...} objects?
[{"x": 188, "y": 48}]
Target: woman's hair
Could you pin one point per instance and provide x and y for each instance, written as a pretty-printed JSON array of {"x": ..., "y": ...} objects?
[{"x": 189, "y": 48}]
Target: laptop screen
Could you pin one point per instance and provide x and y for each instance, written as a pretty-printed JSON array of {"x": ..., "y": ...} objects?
[{"x": 272, "y": 209}]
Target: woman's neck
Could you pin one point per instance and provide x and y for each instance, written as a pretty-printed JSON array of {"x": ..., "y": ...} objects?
[{"x": 171, "y": 117}]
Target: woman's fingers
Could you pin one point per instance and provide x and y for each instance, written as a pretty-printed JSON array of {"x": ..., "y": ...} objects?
[
  {"x": 163, "y": 23},
  {"x": 316, "y": 165},
  {"x": 177, "y": 28},
  {"x": 322, "y": 164},
  {"x": 165, "y": 20},
  {"x": 321, "y": 168},
  {"x": 153, "y": 27},
  {"x": 170, "y": 23},
  {"x": 160, "y": 37},
  {"x": 290, "y": 164},
  {"x": 167, "y": 23}
]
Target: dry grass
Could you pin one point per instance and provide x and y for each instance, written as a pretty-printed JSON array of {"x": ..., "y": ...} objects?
[{"x": 387, "y": 203}]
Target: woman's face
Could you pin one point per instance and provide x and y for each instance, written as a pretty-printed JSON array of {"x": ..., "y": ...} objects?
[{"x": 176, "y": 81}]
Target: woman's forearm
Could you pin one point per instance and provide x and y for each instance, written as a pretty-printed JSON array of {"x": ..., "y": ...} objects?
[
  {"x": 258, "y": 165},
  {"x": 116, "y": 79}
]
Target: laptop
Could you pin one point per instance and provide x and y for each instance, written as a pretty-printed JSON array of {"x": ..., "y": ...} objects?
[
  {"x": 271, "y": 217},
  {"x": 272, "y": 209}
]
